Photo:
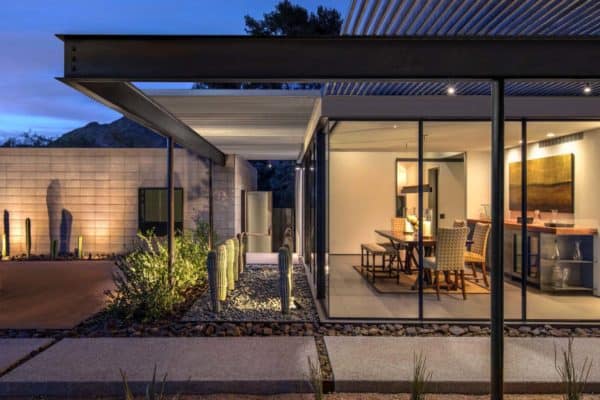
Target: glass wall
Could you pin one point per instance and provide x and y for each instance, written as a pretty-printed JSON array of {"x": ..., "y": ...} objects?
[{"x": 372, "y": 200}]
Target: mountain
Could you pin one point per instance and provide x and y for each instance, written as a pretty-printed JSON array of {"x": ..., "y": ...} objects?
[{"x": 122, "y": 132}]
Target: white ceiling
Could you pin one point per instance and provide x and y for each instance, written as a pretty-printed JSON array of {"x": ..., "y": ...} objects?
[
  {"x": 441, "y": 137},
  {"x": 257, "y": 125}
]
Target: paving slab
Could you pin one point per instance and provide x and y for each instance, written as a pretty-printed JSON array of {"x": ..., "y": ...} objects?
[
  {"x": 458, "y": 364},
  {"x": 86, "y": 367},
  {"x": 14, "y": 350}
]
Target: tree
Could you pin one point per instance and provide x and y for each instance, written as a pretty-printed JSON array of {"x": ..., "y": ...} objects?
[
  {"x": 294, "y": 20},
  {"x": 286, "y": 20}
]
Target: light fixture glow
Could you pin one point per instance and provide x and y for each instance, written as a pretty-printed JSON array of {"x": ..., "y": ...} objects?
[
  {"x": 269, "y": 165},
  {"x": 395, "y": 126},
  {"x": 587, "y": 89},
  {"x": 550, "y": 134},
  {"x": 451, "y": 90}
]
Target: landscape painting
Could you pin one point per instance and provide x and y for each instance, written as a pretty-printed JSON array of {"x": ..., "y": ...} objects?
[{"x": 549, "y": 184}]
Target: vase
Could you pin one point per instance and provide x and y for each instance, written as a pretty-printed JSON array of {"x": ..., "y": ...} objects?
[
  {"x": 565, "y": 276},
  {"x": 557, "y": 276},
  {"x": 577, "y": 255}
]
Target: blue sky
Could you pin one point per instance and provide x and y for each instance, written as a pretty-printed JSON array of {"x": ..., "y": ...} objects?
[{"x": 30, "y": 97}]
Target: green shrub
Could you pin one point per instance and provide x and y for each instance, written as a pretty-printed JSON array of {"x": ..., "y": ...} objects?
[{"x": 142, "y": 283}]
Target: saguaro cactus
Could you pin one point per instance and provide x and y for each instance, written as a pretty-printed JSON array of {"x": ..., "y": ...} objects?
[
  {"x": 236, "y": 259},
  {"x": 28, "y": 237},
  {"x": 222, "y": 272},
  {"x": 242, "y": 252},
  {"x": 54, "y": 249},
  {"x": 212, "y": 268},
  {"x": 80, "y": 247},
  {"x": 230, "y": 263},
  {"x": 285, "y": 279}
]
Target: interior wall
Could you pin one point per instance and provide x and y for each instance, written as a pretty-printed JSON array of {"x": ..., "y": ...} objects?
[
  {"x": 587, "y": 164},
  {"x": 362, "y": 195},
  {"x": 478, "y": 180}
]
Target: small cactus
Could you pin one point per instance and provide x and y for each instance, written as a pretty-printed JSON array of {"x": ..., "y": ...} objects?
[
  {"x": 285, "y": 279},
  {"x": 230, "y": 263},
  {"x": 213, "y": 284},
  {"x": 80, "y": 247},
  {"x": 28, "y": 237},
  {"x": 236, "y": 259},
  {"x": 222, "y": 273},
  {"x": 241, "y": 252},
  {"x": 54, "y": 249},
  {"x": 4, "y": 246}
]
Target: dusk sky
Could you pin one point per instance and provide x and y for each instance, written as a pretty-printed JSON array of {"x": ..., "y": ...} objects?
[{"x": 31, "y": 99}]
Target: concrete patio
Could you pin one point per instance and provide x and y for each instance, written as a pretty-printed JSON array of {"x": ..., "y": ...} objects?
[
  {"x": 52, "y": 294},
  {"x": 280, "y": 364}
]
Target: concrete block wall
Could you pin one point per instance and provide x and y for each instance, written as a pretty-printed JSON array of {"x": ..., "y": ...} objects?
[{"x": 95, "y": 188}]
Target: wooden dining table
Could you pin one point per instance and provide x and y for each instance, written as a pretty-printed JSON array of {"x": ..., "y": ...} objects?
[{"x": 408, "y": 241}]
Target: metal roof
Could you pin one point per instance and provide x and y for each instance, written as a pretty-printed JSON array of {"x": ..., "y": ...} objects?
[
  {"x": 470, "y": 18},
  {"x": 473, "y": 18}
]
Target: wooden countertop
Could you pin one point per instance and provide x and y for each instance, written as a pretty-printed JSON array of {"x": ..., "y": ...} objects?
[{"x": 537, "y": 227}]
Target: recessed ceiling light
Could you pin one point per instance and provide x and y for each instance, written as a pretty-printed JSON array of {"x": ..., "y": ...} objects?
[
  {"x": 451, "y": 90},
  {"x": 587, "y": 89},
  {"x": 395, "y": 126},
  {"x": 520, "y": 142},
  {"x": 550, "y": 134},
  {"x": 269, "y": 165}
]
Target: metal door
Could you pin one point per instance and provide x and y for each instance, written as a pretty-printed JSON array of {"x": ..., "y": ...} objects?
[{"x": 259, "y": 216}]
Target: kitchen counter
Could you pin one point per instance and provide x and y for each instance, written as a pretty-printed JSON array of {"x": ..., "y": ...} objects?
[{"x": 539, "y": 227}]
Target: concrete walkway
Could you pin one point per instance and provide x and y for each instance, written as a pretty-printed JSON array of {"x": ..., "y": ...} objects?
[
  {"x": 14, "y": 350},
  {"x": 458, "y": 364},
  {"x": 52, "y": 294},
  {"x": 90, "y": 367},
  {"x": 266, "y": 365}
]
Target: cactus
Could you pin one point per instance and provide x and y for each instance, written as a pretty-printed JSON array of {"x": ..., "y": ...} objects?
[
  {"x": 236, "y": 259},
  {"x": 230, "y": 263},
  {"x": 28, "y": 237},
  {"x": 213, "y": 285},
  {"x": 54, "y": 249},
  {"x": 285, "y": 279},
  {"x": 4, "y": 246},
  {"x": 80, "y": 247},
  {"x": 241, "y": 252},
  {"x": 222, "y": 272}
]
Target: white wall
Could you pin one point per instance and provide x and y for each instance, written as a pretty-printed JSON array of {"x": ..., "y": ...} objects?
[
  {"x": 478, "y": 177},
  {"x": 362, "y": 195}
]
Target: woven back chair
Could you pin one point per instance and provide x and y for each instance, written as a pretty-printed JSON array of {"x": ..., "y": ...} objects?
[
  {"x": 449, "y": 256},
  {"x": 476, "y": 256}
]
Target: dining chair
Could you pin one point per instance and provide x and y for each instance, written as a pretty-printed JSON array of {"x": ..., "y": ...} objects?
[
  {"x": 476, "y": 255},
  {"x": 449, "y": 257},
  {"x": 459, "y": 223}
]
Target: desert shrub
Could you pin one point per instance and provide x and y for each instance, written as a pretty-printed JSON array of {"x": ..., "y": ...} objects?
[
  {"x": 573, "y": 377},
  {"x": 142, "y": 288}
]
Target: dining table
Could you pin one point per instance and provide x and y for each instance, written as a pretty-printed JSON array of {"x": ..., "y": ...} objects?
[{"x": 410, "y": 243}]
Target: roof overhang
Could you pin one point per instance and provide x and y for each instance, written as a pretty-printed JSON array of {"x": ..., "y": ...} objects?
[
  {"x": 103, "y": 65},
  {"x": 247, "y": 58}
]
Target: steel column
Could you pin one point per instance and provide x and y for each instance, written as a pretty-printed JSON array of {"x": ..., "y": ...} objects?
[
  {"x": 211, "y": 227},
  {"x": 497, "y": 261},
  {"x": 420, "y": 207},
  {"x": 170, "y": 208},
  {"x": 321, "y": 213},
  {"x": 524, "y": 237}
]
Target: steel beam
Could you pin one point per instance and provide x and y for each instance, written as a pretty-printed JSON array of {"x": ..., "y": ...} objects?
[
  {"x": 497, "y": 259},
  {"x": 170, "y": 208},
  {"x": 241, "y": 58},
  {"x": 321, "y": 211},
  {"x": 524, "y": 237},
  {"x": 126, "y": 99}
]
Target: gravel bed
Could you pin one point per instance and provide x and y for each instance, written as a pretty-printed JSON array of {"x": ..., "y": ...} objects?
[{"x": 256, "y": 298}]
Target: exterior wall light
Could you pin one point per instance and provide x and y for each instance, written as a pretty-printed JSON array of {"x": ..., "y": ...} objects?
[{"x": 587, "y": 89}]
